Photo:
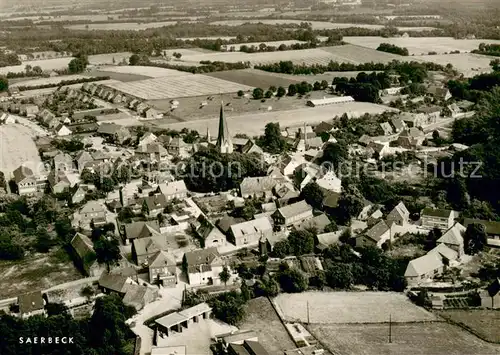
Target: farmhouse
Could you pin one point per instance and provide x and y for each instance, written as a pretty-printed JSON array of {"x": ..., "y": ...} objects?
[
  {"x": 140, "y": 229},
  {"x": 31, "y": 304},
  {"x": 203, "y": 266},
  {"x": 437, "y": 218},
  {"x": 423, "y": 268},
  {"x": 92, "y": 212},
  {"x": 399, "y": 215},
  {"x": 249, "y": 233},
  {"x": 261, "y": 186},
  {"x": 84, "y": 254},
  {"x": 413, "y": 119},
  {"x": 175, "y": 189},
  {"x": 453, "y": 238},
  {"x": 162, "y": 269},
  {"x": 114, "y": 132},
  {"x": 375, "y": 236},
  {"x": 208, "y": 234},
  {"x": 294, "y": 213},
  {"x": 152, "y": 152},
  {"x": 27, "y": 183},
  {"x": 432, "y": 113},
  {"x": 143, "y": 249},
  {"x": 329, "y": 101}
]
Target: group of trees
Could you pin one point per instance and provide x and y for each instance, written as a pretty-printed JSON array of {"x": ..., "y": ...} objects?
[
  {"x": 472, "y": 89},
  {"x": 392, "y": 48},
  {"x": 8, "y": 59},
  {"x": 492, "y": 49},
  {"x": 4, "y": 84},
  {"x": 301, "y": 88},
  {"x": 210, "y": 171},
  {"x": 105, "y": 332},
  {"x": 63, "y": 83},
  {"x": 78, "y": 64},
  {"x": 272, "y": 141}
]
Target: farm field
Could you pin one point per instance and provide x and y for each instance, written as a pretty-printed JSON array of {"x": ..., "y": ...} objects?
[
  {"x": 350, "y": 307},
  {"x": 177, "y": 86},
  {"x": 254, "y": 78},
  {"x": 346, "y": 53},
  {"x": 328, "y": 76},
  {"x": 17, "y": 147},
  {"x": 124, "y": 26},
  {"x": 262, "y": 318},
  {"x": 316, "y": 25},
  {"x": 467, "y": 63},
  {"x": 422, "y": 338},
  {"x": 224, "y": 38},
  {"x": 36, "y": 272},
  {"x": 48, "y": 81},
  {"x": 123, "y": 77},
  {"x": 62, "y": 63},
  {"x": 253, "y": 123},
  {"x": 148, "y": 72},
  {"x": 421, "y": 45},
  {"x": 483, "y": 322}
]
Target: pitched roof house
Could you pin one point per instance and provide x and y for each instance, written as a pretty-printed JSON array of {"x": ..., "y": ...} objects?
[
  {"x": 260, "y": 186},
  {"x": 249, "y": 232},
  {"x": 453, "y": 238},
  {"x": 376, "y": 235},
  {"x": 203, "y": 266},
  {"x": 399, "y": 215},
  {"x": 174, "y": 189},
  {"x": 162, "y": 269},
  {"x": 31, "y": 304},
  {"x": 294, "y": 213},
  {"x": 424, "y": 268},
  {"x": 140, "y": 229},
  {"x": 85, "y": 257}
]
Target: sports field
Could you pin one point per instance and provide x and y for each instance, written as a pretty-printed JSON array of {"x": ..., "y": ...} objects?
[
  {"x": 350, "y": 307},
  {"x": 17, "y": 148},
  {"x": 429, "y": 338}
]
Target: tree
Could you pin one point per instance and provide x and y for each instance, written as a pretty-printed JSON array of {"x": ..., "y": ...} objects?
[
  {"x": 432, "y": 237},
  {"x": 78, "y": 64},
  {"x": 495, "y": 64},
  {"x": 301, "y": 242},
  {"x": 43, "y": 241},
  {"x": 313, "y": 194},
  {"x": 107, "y": 251},
  {"x": 281, "y": 91},
  {"x": 475, "y": 238},
  {"x": 258, "y": 93},
  {"x": 241, "y": 93},
  {"x": 339, "y": 275},
  {"x": 228, "y": 307},
  {"x": 272, "y": 141},
  {"x": 267, "y": 287},
  {"x": 292, "y": 280},
  {"x": 87, "y": 291},
  {"x": 54, "y": 309},
  {"x": 272, "y": 88},
  {"x": 225, "y": 275},
  {"x": 282, "y": 249},
  {"x": 349, "y": 206},
  {"x": 269, "y": 94},
  {"x": 134, "y": 59},
  {"x": 334, "y": 154},
  {"x": 292, "y": 90},
  {"x": 4, "y": 84}
]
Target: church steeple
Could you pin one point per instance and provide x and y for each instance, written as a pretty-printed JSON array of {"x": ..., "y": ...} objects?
[{"x": 224, "y": 143}]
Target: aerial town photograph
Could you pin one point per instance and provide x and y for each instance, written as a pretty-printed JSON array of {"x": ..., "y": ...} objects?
[{"x": 261, "y": 177}]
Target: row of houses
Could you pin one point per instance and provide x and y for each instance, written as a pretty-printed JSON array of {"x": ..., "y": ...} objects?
[{"x": 117, "y": 97}]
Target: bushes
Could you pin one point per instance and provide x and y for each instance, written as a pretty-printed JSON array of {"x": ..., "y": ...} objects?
[{"x": 391, "y": 48}]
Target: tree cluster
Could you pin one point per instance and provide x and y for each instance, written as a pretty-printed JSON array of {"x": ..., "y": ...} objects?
[{"x": 391, "y": 48}]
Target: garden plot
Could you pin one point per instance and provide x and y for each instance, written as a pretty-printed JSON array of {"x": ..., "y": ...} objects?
[
  {"x": 468, "y": 64},
  {"x": 407, "y": 338},
  {"x": 17, "y": 147},
  {"x": 177, "y": 86},
  {"x": 316, "y": 25},
  {"x": 349, "y": 307},
  {"x": 152, "y": 72},
  {"x": 422, "y": 45}
]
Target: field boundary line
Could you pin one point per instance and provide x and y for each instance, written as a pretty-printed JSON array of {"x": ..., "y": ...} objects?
[{"x": 468, "y": 329}]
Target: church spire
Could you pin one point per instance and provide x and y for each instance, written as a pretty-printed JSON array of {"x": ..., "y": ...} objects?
[{"x": 224, "y": 143}]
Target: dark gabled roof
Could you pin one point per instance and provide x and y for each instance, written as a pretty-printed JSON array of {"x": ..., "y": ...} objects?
[
  {"x": 226, "y": 222},
  {"x": 494, "y": 287},
  {"x": 22, "y": 173},
  {"x": 141, "y": 229},
  {"x": 377, "y": 231},
  {"x": 82, "y": 245},
  {"x": 113, "y": 282},
  {"x": 435, "y": 212},
  {"x": 201, "y": 256},
  {"x": 237, "y": 349},
  {"x": 30, "y": 302}
]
